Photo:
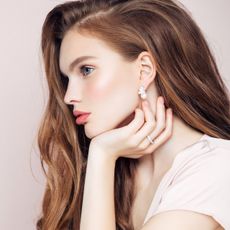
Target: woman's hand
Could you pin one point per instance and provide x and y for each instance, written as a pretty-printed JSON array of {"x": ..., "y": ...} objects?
[{"x": 131, "y": 140}]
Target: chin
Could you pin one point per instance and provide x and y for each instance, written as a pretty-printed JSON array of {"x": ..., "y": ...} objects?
[{"x": 91, "y": 132}]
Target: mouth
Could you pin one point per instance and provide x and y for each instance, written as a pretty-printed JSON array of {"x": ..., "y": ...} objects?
[{"x": 82, "y": 119}]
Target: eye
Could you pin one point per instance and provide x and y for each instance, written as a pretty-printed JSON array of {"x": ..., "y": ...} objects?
[{"x": 87, "y": 68}]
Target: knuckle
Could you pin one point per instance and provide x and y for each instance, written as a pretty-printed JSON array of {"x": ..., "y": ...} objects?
[
  {"x": 161, "y": 126},
  {"x": 168, "y": 131},
  {"x": 151, "y": 124},
  {"x": 141, "y": 119},
  {"x": 131, "y": 144},
  {"x": 142, "y": 115},
  {"x": 149, "y": 150},
  {"x": 140, "y": 147}
]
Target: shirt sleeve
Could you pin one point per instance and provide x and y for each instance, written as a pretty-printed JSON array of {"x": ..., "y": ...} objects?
[{"x": 202, "y": 186}]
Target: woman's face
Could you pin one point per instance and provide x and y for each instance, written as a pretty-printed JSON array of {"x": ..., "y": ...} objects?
[{"x": 107, "y": 86}]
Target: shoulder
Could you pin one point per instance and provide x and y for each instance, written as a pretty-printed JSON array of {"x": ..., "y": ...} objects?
[
  {"x": 216, "y": 161},
  {"x": 198, "y": 195},
  {"x": 206, "y": 166},
  {"x": 213, "y": 158},
  {"x": 180, "y": 220}
]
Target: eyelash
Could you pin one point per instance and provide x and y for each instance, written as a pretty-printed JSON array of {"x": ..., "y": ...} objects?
[{"x": 83, "y": 66}]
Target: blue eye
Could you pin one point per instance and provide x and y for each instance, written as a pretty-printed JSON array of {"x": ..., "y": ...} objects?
[{"x": 87, "y": 68}]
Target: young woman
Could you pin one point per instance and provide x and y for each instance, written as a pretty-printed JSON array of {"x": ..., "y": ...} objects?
[{"x": 152, "y": 150}]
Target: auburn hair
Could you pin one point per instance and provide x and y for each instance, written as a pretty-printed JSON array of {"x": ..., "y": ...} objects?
[{"x": 187, "y": 77}]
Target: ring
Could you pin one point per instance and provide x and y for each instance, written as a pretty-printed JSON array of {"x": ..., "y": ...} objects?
[{"x": 151, "y": 141}]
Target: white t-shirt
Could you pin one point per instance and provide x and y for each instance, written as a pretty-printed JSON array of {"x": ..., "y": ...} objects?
[{"x": 198, "y": 180}]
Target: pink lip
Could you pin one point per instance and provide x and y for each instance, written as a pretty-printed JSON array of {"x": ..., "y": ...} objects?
[
  {"x": 78, "y": 112},
  {"x": 82, "y": 119}
]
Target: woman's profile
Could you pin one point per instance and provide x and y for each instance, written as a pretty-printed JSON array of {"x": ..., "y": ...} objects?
[{"x": 141, "y": 140}]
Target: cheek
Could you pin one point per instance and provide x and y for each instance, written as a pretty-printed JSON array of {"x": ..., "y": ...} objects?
[
  {"x": 102, "y": 87},
  {"x": 97, "y": 90}
]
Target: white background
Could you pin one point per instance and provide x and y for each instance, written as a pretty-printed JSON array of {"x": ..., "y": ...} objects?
[{"x": 23, "y": 97}]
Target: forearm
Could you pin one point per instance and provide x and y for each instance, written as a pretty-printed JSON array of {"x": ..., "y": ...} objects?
[{"x": 98, "y": 208}]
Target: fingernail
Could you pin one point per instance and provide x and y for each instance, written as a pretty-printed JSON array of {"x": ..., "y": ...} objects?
[
  {"x": 161, "y": 100},
  {"x": 145, "y": 103}
]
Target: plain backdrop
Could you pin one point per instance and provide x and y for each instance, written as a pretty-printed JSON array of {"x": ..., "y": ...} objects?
[{"x": 23, "y": 96}]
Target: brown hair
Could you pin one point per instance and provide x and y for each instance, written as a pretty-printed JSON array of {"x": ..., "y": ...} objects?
[{"x": 187, "y": 78}]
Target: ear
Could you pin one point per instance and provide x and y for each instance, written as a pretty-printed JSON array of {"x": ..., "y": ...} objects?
[{"x": 147, "y": 68}]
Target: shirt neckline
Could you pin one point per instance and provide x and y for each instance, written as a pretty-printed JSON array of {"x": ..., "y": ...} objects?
[{"x": 196, "y": 145}]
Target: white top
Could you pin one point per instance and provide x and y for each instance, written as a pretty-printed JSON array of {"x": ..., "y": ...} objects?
[{"x": 198, "y": 180}]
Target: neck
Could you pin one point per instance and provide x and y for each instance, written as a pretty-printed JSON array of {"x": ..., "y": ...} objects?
[
  {"x": 183, "y": 135},
  {"x": 156, "y": 164}
]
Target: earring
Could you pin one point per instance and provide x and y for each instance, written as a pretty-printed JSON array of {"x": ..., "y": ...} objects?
[{"x": 142, "y": 92}]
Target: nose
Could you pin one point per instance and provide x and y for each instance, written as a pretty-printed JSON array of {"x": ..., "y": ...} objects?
[
  {"x": 69, "y": 100},
  {"x": 71, "y": 96}
]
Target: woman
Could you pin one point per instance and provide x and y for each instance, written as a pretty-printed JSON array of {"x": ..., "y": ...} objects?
[{"x": 127, "y": 164}]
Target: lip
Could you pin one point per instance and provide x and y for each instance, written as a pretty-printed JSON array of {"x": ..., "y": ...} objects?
[
  {"x": 81, "y": 119},
  {"x": 81, "y": 116},
  {"x": 78, "y": 112}
]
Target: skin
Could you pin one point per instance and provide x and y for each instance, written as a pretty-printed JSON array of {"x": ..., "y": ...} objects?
[{"x": 109, "y": 92}]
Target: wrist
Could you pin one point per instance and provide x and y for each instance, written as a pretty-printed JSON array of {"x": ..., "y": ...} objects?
[{"x": 100, "y": 156}]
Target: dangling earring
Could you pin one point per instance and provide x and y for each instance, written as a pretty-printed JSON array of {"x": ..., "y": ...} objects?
[{"x": 142, "y": 92}]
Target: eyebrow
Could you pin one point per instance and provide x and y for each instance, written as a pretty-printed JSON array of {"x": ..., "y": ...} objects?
[{"x": 77, "y": 61}]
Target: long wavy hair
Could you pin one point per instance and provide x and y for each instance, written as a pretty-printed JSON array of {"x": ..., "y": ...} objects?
[{"x": 187, "y": 77}]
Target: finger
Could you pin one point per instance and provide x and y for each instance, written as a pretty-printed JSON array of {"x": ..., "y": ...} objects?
[
  {"x": 160, "y": 116},
  {"x": 153, "y": 129},
  {"x": 148, "y": 126},
  {"x": 149, "y": 120},
  {"x": 148, "y": 111},
  {"x": 165, "y": 135},
  {"x": 136, "y": 123}
]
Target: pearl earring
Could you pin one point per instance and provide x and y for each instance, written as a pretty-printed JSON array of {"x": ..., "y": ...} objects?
[{"x": 142, "y": 92}]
